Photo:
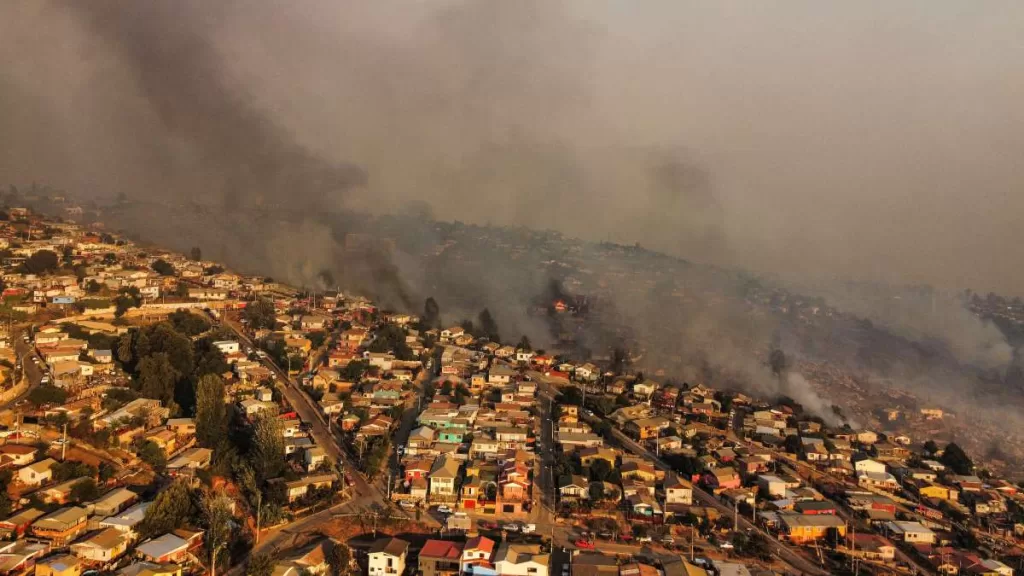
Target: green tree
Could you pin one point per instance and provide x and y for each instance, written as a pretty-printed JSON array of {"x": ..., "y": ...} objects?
[
  {"x": 47, "y": 394},
  {"x": 488, "y": 327},
  {"x": 956, "y": 459},
  {"x": 85, "y": 491},
  {"x": 268, "y": 446},
  {"x": 211, "y": 412},
  {"x": 524, "y": 344},
  {"x": 353, "y": 372},
  {"x": 339, "y": 558},
  {"x": 163, "y": 267},
  {"x": 431, "y": 314},
  {"x": 218, "y": 519},
  {"x": 157, "y": 378},
  {"x": 596, "y": 491},
  {"x": 41, "y": 262},
  {"x": 187, "y": 323},
  {"x": 931, "y": 448},
  {"x": 174, "y": 507},
  {"x": 196, "y": 254},
  {"x": 600, "y": 470},
  {"x": 260, "y": 314},
  {"x": 151, "y": 453},
  {"x": 260, "y": 565}
]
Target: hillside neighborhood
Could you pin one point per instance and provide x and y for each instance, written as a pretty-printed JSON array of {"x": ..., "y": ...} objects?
[{"x": 162, "y": 415}]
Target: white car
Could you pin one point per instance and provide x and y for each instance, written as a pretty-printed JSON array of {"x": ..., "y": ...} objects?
[
  {"x": 644, "y": 539},
  {"x": 444, "y": 509}
]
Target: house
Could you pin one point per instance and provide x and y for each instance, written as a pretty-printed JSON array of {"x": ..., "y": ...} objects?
[
  {"x": 296, "y": 489},
  {"x": 311, "y": 560},
  {"x": 59, "y": 565},
  {"x": 61, "y": 526},
  {"x": 520, "y": 560},
  {"x": 772, "y": 486},
  {"x": 637, "y": 469},
  {"x": 37, "y": 473},
  {"x": 869, "y": 465},
  {"x": 113, "y": 502},
  {"x": 182, "y": 427},
  {"x": 645, "y": 428},
  {"x": 18, "y": 558},
  {"x": 589, "y": 455},
  {"x": 313, "y": 458},
  {"x": 190, "y": 460},
  {"x": 227, "y": 347},
  {"x": 722, "y": 479},
  {"x": 677, "y": 491},
  {"x": 577, "y": 488},
  {"x": 128, "y": 520},
  {"x": 443, "y": 476},
  {"x": 17, "y": 524},
  {"x": 873, "y": 547},
  {"x": 910, "y": 532},
  {"x": 165, "y": 549},
  {"x": 102, "y": 547},
  {"x": 387, "y": 557},
  {"x": 800, "y": 528},
  {"x": 17, "y": 455},
  {"x": 440, "y": 558},
  {"x": 477, "y": 556}
]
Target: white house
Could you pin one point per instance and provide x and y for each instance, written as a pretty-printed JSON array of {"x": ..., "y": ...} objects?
[
  {"x": 387, "y": 557},
  {"x": 911, "y": 532},
  {"x": 520, "y": 560},
  {"x": 38, "y": 473},
  {"x": 227, "y": 346},
  {"x": 869, "y": 465}
]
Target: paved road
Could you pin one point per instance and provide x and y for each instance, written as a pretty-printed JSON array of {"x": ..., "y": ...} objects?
[
  {"x": 787, "y": 554},
  {"x": 24, "y": 353},
  {"x": 309, "y": 412}
]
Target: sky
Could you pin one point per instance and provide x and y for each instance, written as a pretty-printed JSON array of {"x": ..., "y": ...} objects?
[{"x": 812, "y": 140}]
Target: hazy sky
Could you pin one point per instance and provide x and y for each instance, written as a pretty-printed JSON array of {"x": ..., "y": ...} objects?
[{"x": 868, "y": 139}]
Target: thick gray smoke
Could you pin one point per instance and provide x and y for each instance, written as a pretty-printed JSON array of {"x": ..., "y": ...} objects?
[{"x": 810, "y": 140}]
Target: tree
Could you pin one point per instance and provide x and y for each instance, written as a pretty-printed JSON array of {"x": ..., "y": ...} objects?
[
  {"x": 596, "y": 491},
  {"x": 524, "y": 344},
  {"x": 41, "y": 262},
  {"x": 151, "y": 453},
  {"x": 157, "y": 378},
  {"x": 778, "y": 362},
  {"x": 931, "y": 448},
  {"x": 47, "y": 394},
  {"x": 173, "y": 508},
  {"x": 956, "y": 459},
  {"x": 260, "y": 314},
  {"x": 571, "y": 395},
  {"x": 488, "y": 327},
  {"x": 187, "y": 323},
  {"x": 196, "y": 254},
  {"x": 5, "y": 499},
  {"x": 260, "y": 565},
  {"x": 162, "y": 267},
  {"x": 431, "y": 314},
  {"x": 211, "y": 412},
  {"x": 268, "y": 446},
  {"x": 600, "y": 470},
  {"x": 353, "y": 372},
  {"x": 85, "y": 491},
  {"x": 339, "y": 558},
  {"x": 218, "y": 519}
]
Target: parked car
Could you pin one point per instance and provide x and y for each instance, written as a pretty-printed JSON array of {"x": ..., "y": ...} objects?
[
  {"x": 643, "y": 539},
  {"x": 444, "y": 509},
  {"x": 488, "y": 525},
  {"x": 406, "y": 504},
  {"x": 510, "y": 527},
  {"x": 584, "y": 544},
  {"x": 528, "y": 528}
]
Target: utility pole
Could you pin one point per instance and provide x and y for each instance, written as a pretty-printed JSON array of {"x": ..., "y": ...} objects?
[
  {"x": 736, "y": 515},
  {"x": 64, "y": 443},
  {"x": 259, "y": 514}
]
